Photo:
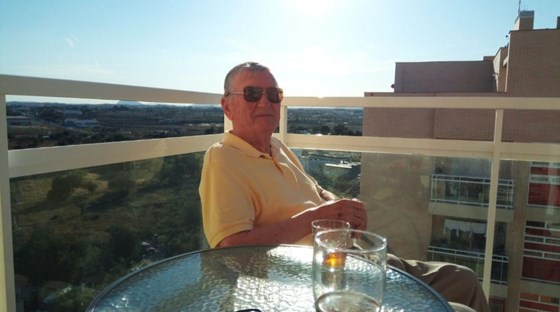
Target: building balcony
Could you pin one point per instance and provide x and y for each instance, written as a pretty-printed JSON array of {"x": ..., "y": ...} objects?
[
  {"x": 473, "y": 260},
  {"x": 468, "y": 197},
  {"x": 76, "y": 217}
]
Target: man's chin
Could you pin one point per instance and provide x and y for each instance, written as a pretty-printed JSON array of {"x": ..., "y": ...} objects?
[
  {"x": 266, "y": 129},
  {"x": 266, "y": 123}
]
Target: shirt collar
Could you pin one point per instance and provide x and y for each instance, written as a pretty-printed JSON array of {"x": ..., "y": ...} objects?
[{"x": 238, "y": 143}]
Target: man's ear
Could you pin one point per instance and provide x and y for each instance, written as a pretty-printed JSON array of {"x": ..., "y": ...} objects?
[{"x": 226, "y": 108}]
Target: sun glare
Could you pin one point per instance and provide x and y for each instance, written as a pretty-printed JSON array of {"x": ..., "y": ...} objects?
[{"x": 312, "y": 7}]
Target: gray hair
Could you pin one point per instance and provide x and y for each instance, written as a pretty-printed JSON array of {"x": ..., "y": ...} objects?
[{"x": 250, "y": 66}]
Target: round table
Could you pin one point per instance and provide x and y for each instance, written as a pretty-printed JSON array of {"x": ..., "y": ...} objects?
[{"x": 268, "y": 278}]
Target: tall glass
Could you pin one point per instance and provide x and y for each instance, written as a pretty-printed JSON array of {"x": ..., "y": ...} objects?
[{"x": 349, "y": 270}]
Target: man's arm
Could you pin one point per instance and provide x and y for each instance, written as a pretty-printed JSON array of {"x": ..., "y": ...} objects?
[
  {"x": 284, "y": 232},
  {"x": 295, "y": 228}
]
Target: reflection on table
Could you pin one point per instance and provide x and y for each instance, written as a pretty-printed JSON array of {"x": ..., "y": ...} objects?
[{"x": 269, "y": 278}]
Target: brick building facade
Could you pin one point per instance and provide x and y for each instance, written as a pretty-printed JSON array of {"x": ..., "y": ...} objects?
[{"x": 528, "y": 66}]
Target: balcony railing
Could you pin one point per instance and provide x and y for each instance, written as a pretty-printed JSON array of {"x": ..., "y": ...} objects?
[
  {"x": 472, "y": 260},
  {"x": 472, "y": 191},
  {"x": 30, "y": 162}
]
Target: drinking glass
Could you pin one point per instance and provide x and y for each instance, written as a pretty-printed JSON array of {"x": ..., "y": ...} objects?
[
  {"x": 328, "y": 224},
  {"x": 349, "y": 270}
]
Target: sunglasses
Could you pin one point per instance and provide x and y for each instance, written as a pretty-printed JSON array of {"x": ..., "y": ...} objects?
[{"x": 254, "y": 94}]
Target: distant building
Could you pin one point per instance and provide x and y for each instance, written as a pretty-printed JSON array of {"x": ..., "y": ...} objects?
[
  {"x": 19, "y": 121},
  {"x": 72, "y": 112},
  {"x": 316, "y": 161},
  {"x": 343, "y": 168},
  {"x": 529, "y": 193},
  {"x": 80, "y": 123},
  {"x": 529, "y": 65}
]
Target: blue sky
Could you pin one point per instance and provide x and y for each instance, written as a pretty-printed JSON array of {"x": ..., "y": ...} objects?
[{"x": 314, "y": 47}]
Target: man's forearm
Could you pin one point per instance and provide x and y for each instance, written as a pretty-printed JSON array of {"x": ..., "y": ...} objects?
[{"x": 286, "y": 232}]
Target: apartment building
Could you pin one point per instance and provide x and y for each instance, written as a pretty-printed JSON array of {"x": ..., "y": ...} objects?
[{"x": 443, "y": 206}]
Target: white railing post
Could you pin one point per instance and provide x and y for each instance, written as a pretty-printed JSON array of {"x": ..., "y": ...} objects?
[
  {"x": 493, "y": 196},
  {"x": 7, "y": 284},
  {"x": 283, "y": 126}
]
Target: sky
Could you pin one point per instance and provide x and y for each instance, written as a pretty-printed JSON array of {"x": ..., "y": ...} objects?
[{"x": 313, "y": 47}]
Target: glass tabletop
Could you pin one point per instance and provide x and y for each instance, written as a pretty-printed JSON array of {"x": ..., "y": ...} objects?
[{"x": 268, "y": 278}]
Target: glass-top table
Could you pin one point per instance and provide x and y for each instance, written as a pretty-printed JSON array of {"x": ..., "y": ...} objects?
[{"x": 268, "y": 278}]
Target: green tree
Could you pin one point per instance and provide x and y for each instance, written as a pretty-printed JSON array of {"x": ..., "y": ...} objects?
[
  {"x": 48, "y": 255},
  {"x": 176, "y": 170},
  {"x": 63, "y": 185},
  {"x": 51, "y": 114},
  {"x": 120, "y": 182},
  {"x": 340, "y": 129},
  {"x": 123, "y": 245}
]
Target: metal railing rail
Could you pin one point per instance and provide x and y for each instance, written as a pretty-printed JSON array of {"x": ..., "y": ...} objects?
[
  {"x": 466, "y": 253},
  {"x": 505, "y": 190},
  {"x": 18, "y": 163},
  {"x": 501, "y": 260}
]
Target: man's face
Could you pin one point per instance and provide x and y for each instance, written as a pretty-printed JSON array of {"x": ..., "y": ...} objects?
[{"x": 252, "y": 119}]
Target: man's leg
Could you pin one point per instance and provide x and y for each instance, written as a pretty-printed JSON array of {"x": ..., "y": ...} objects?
[{"x": 454, "y": 282}]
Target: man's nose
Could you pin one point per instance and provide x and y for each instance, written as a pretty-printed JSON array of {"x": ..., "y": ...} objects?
[{"x": 264, "y": 101}]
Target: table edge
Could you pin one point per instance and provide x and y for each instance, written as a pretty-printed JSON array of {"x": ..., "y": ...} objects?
[{"x": 100, "y": 295}]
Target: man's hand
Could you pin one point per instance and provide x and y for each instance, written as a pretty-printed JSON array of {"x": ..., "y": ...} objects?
[{"x": 349, "y": 210}]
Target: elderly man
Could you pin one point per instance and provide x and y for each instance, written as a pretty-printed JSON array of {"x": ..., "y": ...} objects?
[{"x": 254, "y": 190}]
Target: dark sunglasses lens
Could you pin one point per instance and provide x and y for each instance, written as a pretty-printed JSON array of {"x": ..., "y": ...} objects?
[
  {"x": 252, "y": 94},
  {"x": 274, "y": 95}
]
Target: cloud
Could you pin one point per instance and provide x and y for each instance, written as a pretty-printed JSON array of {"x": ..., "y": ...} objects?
[{"x": 72, "y": 41}]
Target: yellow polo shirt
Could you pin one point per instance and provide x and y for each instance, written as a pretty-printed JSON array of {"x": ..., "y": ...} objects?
[{"x": 241, "y": 187}]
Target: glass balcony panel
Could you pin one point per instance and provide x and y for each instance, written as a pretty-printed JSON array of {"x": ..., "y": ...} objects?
[
  {"x": 75, "y": 232},
  {"x": 335, "y": 171},
  {"x": 541, "y": 257},
  {"x": 432, "y": 196},
  {"x": 539, "y": 277},
  {"x": 435, "y": 208}
]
